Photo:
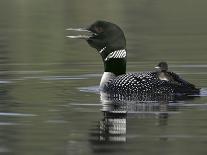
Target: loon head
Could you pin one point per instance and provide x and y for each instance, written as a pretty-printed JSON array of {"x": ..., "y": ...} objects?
[
  {"x": 162, "y": 67},
  {"x": 109, "y": 40},
  {"x": 107, "y": 35}
]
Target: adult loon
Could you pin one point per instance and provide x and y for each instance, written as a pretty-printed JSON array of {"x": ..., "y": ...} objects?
[{"x": 109, "y": 40}]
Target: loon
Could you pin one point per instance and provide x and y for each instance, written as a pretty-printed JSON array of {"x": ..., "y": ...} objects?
[
  {"x": 109, "y": 40},
  {"x": 162, "y": 69}
]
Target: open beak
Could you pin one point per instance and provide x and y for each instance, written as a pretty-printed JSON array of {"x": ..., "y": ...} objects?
[{"x": 86, "y": 36}]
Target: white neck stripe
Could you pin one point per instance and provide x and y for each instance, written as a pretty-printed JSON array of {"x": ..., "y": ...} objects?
[
  {"x": 116, "y": 54},
  {"x": 102, "y": 49}
]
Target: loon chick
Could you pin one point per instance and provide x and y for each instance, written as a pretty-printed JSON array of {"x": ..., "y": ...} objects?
[
  {"x": 109, "y": 40},
  {"x": 162, "y": 69}
]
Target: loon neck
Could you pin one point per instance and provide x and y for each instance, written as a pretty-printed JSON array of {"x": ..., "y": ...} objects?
[{"x": 114, "y": 60}]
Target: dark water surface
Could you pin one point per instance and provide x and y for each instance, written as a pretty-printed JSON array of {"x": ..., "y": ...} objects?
[{"x": 49, "y": 102}]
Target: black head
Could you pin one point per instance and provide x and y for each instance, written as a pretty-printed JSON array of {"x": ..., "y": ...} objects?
[
  {"x": 107, "y": 35},
  {"x": 162, "y": 66}
]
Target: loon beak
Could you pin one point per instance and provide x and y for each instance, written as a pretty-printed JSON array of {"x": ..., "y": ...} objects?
[{"x": 80, "y": 36}]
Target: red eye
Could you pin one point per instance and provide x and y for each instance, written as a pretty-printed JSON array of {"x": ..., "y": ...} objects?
[{"x": 98, "y": 29}]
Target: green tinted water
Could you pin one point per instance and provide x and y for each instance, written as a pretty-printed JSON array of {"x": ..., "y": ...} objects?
[{"x": 48, "y": 98}]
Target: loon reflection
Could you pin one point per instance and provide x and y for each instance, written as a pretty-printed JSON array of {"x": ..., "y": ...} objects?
[
  {"x": 112, "y": 128},
  {"x": 115, "y": 128},
  {"x": 113, "y": 124}
]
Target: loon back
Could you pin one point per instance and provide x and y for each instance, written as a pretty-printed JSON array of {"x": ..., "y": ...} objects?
[{"x": 148, "y": 82}]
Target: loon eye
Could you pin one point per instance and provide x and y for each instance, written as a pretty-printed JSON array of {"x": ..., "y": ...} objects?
[{"x": 98, "y": 29}]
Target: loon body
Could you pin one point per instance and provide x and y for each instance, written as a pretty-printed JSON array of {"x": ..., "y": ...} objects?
[{"x": 109, "y": 40}]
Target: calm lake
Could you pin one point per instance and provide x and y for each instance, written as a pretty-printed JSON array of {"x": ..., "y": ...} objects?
[{"x": 49, "y": 99}]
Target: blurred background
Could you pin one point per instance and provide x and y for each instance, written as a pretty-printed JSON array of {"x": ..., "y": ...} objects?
[
  {"x": 34, "y": 31},
  {"x": 47, "y": 104}
]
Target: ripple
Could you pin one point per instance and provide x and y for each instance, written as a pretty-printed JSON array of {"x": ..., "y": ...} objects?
[
  {"x": 85, "y": 104},
  {"x": 62, "y": 78},
  {"x": 193, "y": 66},
  {"x": 91, "y": 75},
  {"x": 7, "y": 123},
  {"x": 15, "y": 114},
  {"x": 56, "y": 121},
  {"x": 91, "y": 89},
  {"x": 5, "y": 82},
  {"x": 52, "y": 78},
  {"x": 168, "y": 136},
  {"x": 22, "y": 72}
]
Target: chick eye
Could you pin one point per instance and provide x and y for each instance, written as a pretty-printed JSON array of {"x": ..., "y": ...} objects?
[{"x": 98, "y": 29}]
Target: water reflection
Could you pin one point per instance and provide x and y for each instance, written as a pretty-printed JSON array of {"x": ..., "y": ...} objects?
[
  {"x": 116, "y": 112},
  {"x": 111, "y": 129},
  {"x": 113, "y": 124}
]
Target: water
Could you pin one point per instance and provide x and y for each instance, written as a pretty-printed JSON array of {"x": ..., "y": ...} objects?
[{"x": 49, "y": 103}]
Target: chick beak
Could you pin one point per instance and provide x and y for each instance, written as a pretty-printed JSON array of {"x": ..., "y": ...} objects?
[
  {"x": 86, "y": 36},
  {"x": 157, "y": 67}
]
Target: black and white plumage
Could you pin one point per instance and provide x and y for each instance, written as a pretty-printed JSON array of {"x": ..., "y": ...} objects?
[
  {"x": 116, "y": 54},
  {"x": 109, "y": 40},
  {"x": 148, "y": 82}
]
